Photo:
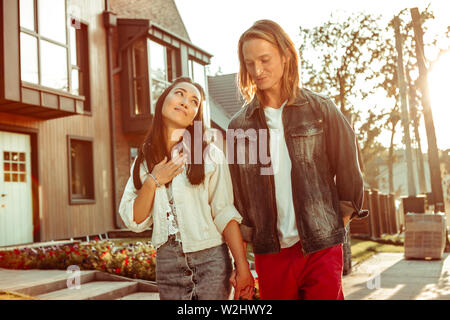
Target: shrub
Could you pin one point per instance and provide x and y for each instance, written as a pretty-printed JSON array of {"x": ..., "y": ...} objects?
[{"x": 136, "y": 260}]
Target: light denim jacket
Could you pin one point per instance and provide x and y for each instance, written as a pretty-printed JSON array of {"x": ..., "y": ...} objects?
[{"x": 203, "y": 211}]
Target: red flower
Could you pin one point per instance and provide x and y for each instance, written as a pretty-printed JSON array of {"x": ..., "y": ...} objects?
[
  {"x": 16, "y": 251},
  {"x": 117, "y": 270},
  {"x": 126, "y": 262},
  {"x": 96, "y": 239}
]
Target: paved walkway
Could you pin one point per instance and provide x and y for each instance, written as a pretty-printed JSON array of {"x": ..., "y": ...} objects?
[
  {"x": 388, "y": 276},
  {"x": 385, "y": 276}
]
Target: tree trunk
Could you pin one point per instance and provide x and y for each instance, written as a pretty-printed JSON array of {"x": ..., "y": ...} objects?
[
  {"x": 416, "y": 121},
  {"x": 391, "y": 159}
]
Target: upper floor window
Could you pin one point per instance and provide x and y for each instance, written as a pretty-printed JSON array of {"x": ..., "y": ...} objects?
[
  {"x": 53, "y": 47},
  {"x": 153, "y": 68},
  {"x": 197, "y": 73}
]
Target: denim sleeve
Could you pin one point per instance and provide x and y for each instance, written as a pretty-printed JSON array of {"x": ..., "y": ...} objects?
[{"x": 343, "y": 157}]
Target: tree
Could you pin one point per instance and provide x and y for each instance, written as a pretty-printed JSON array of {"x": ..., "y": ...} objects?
[
  {"x": 336, "y": 56},
  {"x": 337, "y": 60}
]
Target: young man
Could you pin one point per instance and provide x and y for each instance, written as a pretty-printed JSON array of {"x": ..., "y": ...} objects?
[{"x": 295, "y": 207}]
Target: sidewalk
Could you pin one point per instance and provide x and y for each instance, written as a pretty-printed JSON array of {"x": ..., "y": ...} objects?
[
  {"x": 385, "y": 276},
  {"x": 388, "y": 276}
]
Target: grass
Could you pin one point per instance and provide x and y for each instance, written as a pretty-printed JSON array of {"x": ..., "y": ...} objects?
[{"x": 364, "y": 249}]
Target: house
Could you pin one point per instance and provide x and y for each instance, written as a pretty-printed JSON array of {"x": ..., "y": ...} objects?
[
  {"x": 152, "y": 49},
  {"x": 77, "y": 92}
]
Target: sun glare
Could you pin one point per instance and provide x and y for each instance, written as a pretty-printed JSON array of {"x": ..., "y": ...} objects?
[{"x": 439, "y": 85}]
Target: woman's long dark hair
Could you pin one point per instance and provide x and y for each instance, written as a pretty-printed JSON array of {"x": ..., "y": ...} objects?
[{"x": 153, "y": 149}]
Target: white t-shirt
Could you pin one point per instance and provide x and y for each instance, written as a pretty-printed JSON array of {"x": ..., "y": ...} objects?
[{"x": 281, "y": 162}]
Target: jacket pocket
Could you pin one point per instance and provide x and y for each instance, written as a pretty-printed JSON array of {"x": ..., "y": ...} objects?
[{"x": 307, "y": 141}]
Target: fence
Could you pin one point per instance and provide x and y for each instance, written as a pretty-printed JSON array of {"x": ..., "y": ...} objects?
[{"x": 383, "y": 217}]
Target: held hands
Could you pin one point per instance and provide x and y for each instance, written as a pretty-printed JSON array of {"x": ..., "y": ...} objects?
[
  {"x": 165, "y": 171},
  {"x": 243, "y": 283}
]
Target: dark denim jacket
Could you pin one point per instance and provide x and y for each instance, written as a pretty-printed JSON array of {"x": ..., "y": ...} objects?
[{"x": 325, "y": 173}]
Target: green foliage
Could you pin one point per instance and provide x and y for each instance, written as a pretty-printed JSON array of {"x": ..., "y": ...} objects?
[
  {"x": 338, "y": 54},
  {"x": 337, "y": 60},
  {"x": 353, "y": 59}
]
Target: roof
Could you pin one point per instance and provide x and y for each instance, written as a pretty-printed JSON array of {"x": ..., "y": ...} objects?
[{"x": 225, "y": 93}]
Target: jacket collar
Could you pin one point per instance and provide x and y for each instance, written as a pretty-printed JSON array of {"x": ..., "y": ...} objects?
[{"x": 255, "y": 104}]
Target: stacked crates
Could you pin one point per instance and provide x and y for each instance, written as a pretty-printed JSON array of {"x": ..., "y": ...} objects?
[{"x": 424, "y": 235}]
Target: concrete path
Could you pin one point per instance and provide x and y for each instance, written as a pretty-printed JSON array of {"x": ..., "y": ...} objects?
[
  {"x": 388, "y": 276},
  {"x": 385, "y": 276}
]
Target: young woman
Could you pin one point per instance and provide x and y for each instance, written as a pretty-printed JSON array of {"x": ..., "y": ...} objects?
[{"x": 189, "y": 204}]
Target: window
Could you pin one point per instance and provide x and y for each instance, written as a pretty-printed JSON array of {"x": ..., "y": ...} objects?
[
  {"x": 159, "y": 73},
  {"x": 140, "y": 78},
  {"x": 133, "y": 155},
  {"x": 197, "y": 73},
  {"x": 14, "y": 166},
  {"x": 81, "y": 170},
  {"x": 153, "y": 68},
  {"x": 53, "y": 52}
]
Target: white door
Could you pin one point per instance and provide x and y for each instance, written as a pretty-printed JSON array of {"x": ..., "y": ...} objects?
[{"x": 16, "y": 210}]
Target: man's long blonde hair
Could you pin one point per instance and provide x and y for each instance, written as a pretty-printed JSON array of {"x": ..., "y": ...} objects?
[{"x": 272, "y": 32}]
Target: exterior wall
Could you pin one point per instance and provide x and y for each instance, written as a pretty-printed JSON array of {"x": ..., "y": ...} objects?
[
  {"x": 59, "y": 219},
  {"x": 162, "y": 12}
]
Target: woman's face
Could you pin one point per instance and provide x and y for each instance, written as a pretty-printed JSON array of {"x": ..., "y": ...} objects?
[{"x": 181, "y": 106}]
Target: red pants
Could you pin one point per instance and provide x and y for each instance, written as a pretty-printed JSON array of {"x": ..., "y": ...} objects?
[{"x": 289, "y": 275}]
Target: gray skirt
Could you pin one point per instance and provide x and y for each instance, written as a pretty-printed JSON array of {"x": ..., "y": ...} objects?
[{"x": 200, "y": 275}]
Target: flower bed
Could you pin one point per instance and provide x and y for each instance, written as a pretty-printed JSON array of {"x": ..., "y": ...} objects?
[{"x": 136, "y": 260}]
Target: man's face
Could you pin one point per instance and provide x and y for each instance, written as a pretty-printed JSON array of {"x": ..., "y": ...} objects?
[{"x": 264, "y": 63}]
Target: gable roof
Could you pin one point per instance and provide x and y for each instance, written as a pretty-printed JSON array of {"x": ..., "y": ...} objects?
[
  {"x": 224, "y": 91},
  {"x": 164, "y": 12}
]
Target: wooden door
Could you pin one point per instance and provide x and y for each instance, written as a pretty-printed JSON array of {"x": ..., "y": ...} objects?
[{"x": 16, "y": 208}]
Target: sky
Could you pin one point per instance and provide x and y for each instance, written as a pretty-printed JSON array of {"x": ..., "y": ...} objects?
[{"x": 216, "y": 25}]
